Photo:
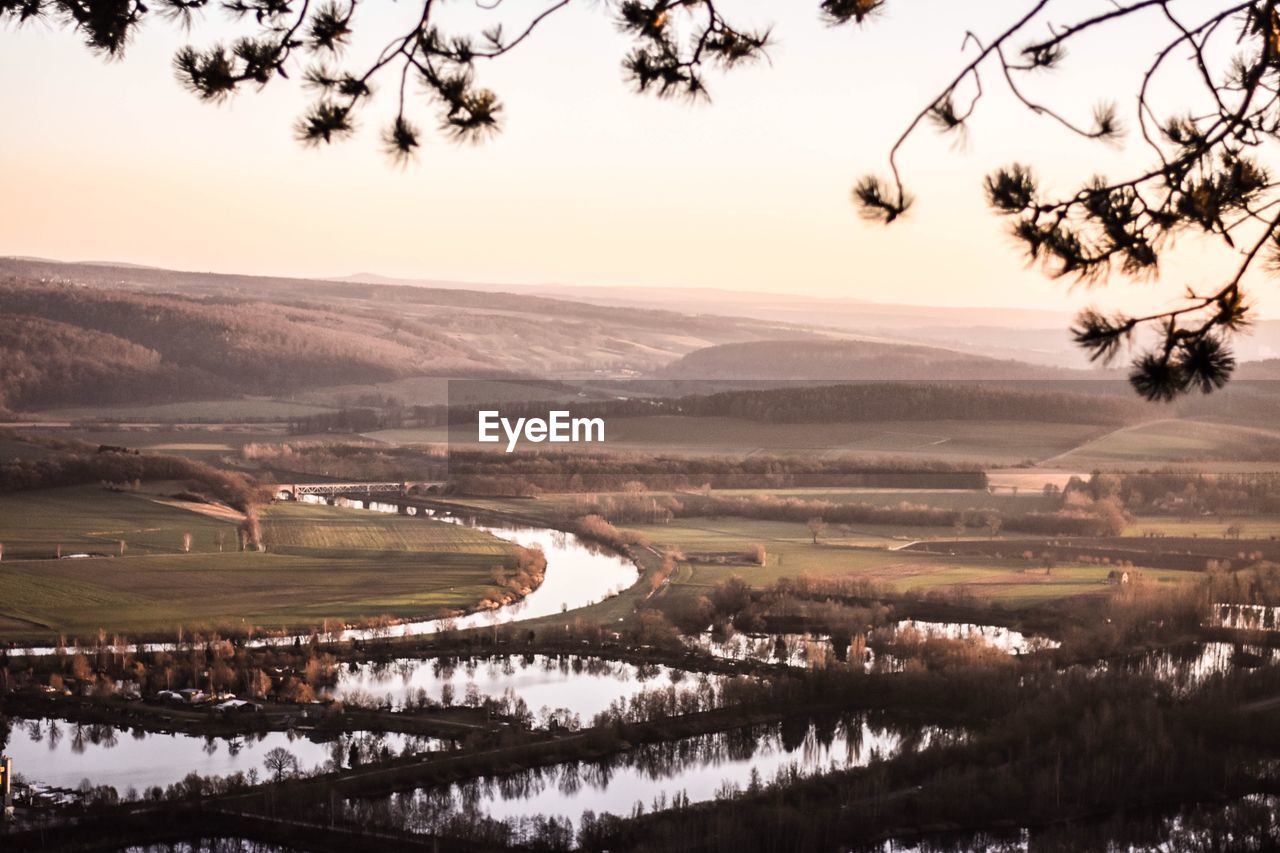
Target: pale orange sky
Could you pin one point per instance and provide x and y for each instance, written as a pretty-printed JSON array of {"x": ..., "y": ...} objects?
[{"x": 588, "y": 184}]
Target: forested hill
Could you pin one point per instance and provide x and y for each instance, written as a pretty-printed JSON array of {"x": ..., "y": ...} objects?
[
  {"x": 402, "y": 330},
  {"x": 849, "y": 403},
  {"x": 809, "y": 359},
  {"x": 61, "y": 343}
]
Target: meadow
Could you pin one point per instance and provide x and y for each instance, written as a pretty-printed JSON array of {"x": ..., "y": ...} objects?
[
  {"x": 985, "y": 442},
  {"x": 329, "y": 566},
  {"x": 868, "y": 554},
  {"x": 90, "y": 519},
  {"x": 1178, "y": 442}
]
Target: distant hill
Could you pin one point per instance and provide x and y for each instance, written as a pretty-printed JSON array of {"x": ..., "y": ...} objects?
[
  {"x": 63, "y": 344},
  {"x": 1267, "y": 369},
  {"x": 43, "y": 363},
  {"x": 189, "y": 336},
  {"x": 848, "y": 359}
]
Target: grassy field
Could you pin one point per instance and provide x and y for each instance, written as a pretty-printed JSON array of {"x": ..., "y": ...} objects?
[
  {"x": 953, "y": 440},
  {"x": 554, "y": 505},
  {"x": 90, "y": 519},
  {"x": 334, "y": 569},
  {"x": 957, "y": 441},
  {"x": 790, "y": 553},
  {"x": 1251, "y": 527},
  {"x": 301, "y": 528},
  {"x": 1179, "y": 441}
]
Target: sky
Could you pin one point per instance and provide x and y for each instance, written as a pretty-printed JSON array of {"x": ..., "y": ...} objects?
[{"x": 589, "y": 183}]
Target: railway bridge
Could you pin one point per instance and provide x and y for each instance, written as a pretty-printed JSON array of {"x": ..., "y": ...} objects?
[{"x": 297, "y": 491}]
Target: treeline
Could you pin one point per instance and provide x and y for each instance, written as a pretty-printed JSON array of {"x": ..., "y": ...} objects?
[
  {"x": 346, "y": 420},
  {"x": 348, "y": 461},
  {"x": 74, "y": 468},
  {"x": 45, "y": 363},
  {"x": 813, "y": 359},
  {"x": 152, "y": 347},
  {"x": 523, "y": 474},
  {"x": 1185, "y": 493},
  {"x": 1103, "y": 517},
  {"x": 845, "y": 403}
]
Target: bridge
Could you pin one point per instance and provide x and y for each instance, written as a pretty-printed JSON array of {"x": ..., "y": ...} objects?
[{"x": 294, "y": 491}]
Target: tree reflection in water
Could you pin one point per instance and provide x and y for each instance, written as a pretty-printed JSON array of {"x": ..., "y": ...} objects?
[{"x": 687, "y": 770}]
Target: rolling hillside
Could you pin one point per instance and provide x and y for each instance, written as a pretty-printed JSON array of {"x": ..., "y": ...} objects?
[
  {"x": 849, "y": 359},
  {"x": 63, "y": 343},
  {"x": 269, "y": 335}
]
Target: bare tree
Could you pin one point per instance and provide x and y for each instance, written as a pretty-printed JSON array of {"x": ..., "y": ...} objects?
[
  {"x": 817, "y": 527},
  {"x": 280, "y": 762}
]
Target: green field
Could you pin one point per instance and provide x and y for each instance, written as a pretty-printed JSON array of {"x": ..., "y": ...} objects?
[
  {"x": 1179, "y": 441},
  {"x": 328, "y": 565},
  {"x": 1210, "y": 527},
  {"x": 301, "y": 529},
  {"x": 957, "y": 441},
  {"x": 90, "y": 519},
  {"x": 791, "y": 553}
]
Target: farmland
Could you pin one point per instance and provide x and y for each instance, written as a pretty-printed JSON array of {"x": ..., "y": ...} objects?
[
  {"x": 1178, "y": 441},
  {"x": 869, "y": 555},
  {"x": 333, "y": 569},
  {"x": 957, "y": 441},
  {"x": 90, "y": 519}
]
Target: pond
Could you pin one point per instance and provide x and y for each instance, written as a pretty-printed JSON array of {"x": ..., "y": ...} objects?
[
  {"x": 584, "y": 685},
  {"x": 658, "y": 776},
  {"x": 62, "y": 754}
]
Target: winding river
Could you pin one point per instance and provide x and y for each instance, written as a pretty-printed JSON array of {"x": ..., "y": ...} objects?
[{"x": 579, "y": 574}]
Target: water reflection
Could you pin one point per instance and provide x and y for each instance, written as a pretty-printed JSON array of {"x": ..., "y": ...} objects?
[
  {"x": 586, "y": 685},
  {"x": 792, "y": 649},
  {"x": 210, "y": 845},
  {"x": 1246, "y": 617},
  {"x": 820, "y": 650},
  {"x": 659, "y": 775},
  {"x": 63, "y": 754},
  {"x": 1187, "y": 667}
]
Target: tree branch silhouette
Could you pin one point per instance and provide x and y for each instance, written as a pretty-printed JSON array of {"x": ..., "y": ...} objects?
[{"x": 1209, "y": 177}]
